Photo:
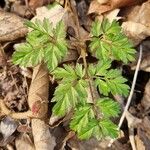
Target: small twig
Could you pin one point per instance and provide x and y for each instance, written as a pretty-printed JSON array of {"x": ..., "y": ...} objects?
[
  {"x": 17, "y": 88},
  {"x": 132, "y": 89},
  {"x": 131, "y": 137},
  {"x": 15, "y": 115},
  {"x": 131, "y": 93},
  {"x": 132, "y": 123}
]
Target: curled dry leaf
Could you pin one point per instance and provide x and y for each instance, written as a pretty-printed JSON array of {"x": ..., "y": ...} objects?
[
  {"x": 137, "y": 26},
  {"x": 38, "y": 92},
  {"x": 38, "y": 103},
  {"x": 24, "y": 142},
  {"x": 99, "y": 8},
  {"x": 11, "y": 27}
]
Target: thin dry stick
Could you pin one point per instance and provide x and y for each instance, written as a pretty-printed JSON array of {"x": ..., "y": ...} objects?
[
  {"x": 132, "y": 123},
  {"x": 131, "y": 93},
  {"x": 17, "y": 88}
]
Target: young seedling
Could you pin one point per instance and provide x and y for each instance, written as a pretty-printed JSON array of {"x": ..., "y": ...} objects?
[{"x": 45, "y": 44}]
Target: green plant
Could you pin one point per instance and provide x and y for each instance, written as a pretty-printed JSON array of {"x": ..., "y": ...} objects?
[{"x": 75, "y": 91}]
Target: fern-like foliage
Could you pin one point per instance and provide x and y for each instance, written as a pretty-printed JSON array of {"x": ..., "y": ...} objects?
[
  {"x": 71, "y": 89},
  {"x": 91, "y": 118},
  {"x": 43, "y": 43},
  {"x": 87, "y": 125},
  {"x": 108, "y": 41}
]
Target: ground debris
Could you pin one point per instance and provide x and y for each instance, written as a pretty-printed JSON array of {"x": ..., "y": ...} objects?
[{"x": 11, "y": 27}]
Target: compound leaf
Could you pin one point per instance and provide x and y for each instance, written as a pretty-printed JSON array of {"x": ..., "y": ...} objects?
[
  {"x": 71, "y": 85},
  {"x": 108, "y": 42},
  {"x": 43, "y": 43}
]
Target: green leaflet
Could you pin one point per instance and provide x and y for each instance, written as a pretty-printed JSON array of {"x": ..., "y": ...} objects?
[
  {"x": 86, "y": 125},
  {"x": 108, "y": 128},
  {"x": 69, "y": 73},
  {"x": 108, "y": 42},
  {"x": 71, "y": 90},
  {"x": 65, "y": 101},
  {"x": 108, "y": 107},
  {"x": 43, "y": 43},
  {"x": 110, "y": 80},
  {"x": 80, "y": 121},
  {"x": 25, "y": 55}
]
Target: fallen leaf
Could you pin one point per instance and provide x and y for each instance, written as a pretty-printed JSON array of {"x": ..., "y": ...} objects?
[
  {"x": 91, "y": 144},
  {"x": 43, "y": 140},
  {"x": 54, "y": 14},
  {"x": 136, "y": 32},
  {"x": 145, "y": 63},
  {"x": 143, "y": 132},
  {"x": 99, "y": 8},
  {"x": 8, "y": 126},
  {"x": 24, "y": 142},
  {"x": 139, "y": 143},
  {"x": 3, "y": 61},
  {"x": 96, "y": 7},
  {"x": 18, "y": 8},
  {"x": 146, "y": 98},
  {"x": 11, "y": 27},
  {"x": 38, "y": 3},
  {"x": 112, "y": 15},
  {"x": 137, "y": 26},
  {"x": 102, "y": 1},
  {"x": 38, "y": 92}
]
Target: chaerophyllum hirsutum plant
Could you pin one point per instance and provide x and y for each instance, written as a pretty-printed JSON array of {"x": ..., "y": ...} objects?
[{"x": 48, "y": 44}]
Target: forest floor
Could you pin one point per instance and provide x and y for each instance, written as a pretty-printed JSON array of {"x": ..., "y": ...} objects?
[{"x": 20, "y": 132}]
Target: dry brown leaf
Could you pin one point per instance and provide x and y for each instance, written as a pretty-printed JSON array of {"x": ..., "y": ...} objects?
[
  {"x": 54, "y": 14},
  {"x": 102, "y": 1},
  {"x": 145, "y": 63},
  {"x": 146, "y": 98},
  {"x": 24, "y": 142},
  {"x": 38, "y": 3},
  {"x": 136, "y": 32},
  {"x": 143, "y": 132},
  {"x": 139, "y": 143},
  {"x": 11, "y": 27},
  {"x": 96, "y": 7},
  {"x": 99, "y": 8},
  {"x": 112, "y": 15},
  {"x": 38, "y": 92},
  {"x": 137, "y": 26},
  {"x": 3, "y": 61},
  {"x": 43, "y": 140},
  {"x": 38, "y": 103},
  {"x": 18, "y": 8},
  {"x": 8, "y": 126}
]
